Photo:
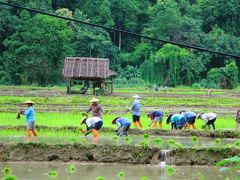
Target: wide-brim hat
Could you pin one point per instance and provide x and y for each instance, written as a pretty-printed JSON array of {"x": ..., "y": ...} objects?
[
  {"x": 198, "y": 115},
  {"x": 94, "y": 100},
  {"x": 114, "y": 120},
  {"x": 136, "y": 97},
  {"x": 28, "y": 102},
  {"x": 84, "y": 121}
]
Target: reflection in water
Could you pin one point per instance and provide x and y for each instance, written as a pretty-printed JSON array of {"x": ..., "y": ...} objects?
[{"x": 87, "y": 171}]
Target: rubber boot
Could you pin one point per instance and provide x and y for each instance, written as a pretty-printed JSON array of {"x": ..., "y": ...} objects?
[
  {"x": 193, "y": 125},
  {"x": 188, "y": 126},
  {"x": 160, "y": 125},
  {"x": 135, "y": 124},
  {"x": 154, "y": 125},
  {"x": 95, "y": 133},
  {"x": 140, "y": 124}
]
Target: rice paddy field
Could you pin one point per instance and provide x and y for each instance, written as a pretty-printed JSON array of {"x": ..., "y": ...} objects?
[{"x": 58, "y": 118}]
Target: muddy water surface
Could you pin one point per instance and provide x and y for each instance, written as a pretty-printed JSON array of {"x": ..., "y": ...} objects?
[{"x": 39, "y": 171}]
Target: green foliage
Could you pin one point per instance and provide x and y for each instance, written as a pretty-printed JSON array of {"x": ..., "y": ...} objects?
[
  {"x": 145, "y": 135},
  {"x": 7, "y": 171},
  {"x": 71, "y": 168},
  {"x": 100, "y": 178},
  {"x": 53, "y": 174},
  {"x": 224, "y": 77},
  {"x": 144, "y": 144},
  {"x": 170, "y": 170},
  {"x": 121, "y": 175},
  {"x": 195, "y": 139},
  {"x": 173, "y": 144},
  {"x": 144, "y": 178},
  {"x": 41, "y": 42},
  {"x": 9, "y": 177},
  {"x": 233, "y": 161}
]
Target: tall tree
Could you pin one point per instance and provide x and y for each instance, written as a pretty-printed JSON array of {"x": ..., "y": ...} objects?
[{"x": 36, "y": 52}]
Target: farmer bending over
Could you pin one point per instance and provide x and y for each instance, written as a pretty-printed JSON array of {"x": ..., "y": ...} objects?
[
  {"x": 156, "y": 116},
  {"x": 237, "y": 119},
  {"x": 178, "y": 121},
  {"x": 190, "y": 118},
  {"x": 208, "y": 118},
  {"x": 136, "y": 111},
  {"x": 93, "y": 124},
  {"x": 123, "y": 125},
  {"x": 29, "y": 113},
  {"x": 95, "y": 108}
]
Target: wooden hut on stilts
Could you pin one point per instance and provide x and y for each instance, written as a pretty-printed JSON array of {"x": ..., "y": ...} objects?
[{"x": 91, "y": 72}]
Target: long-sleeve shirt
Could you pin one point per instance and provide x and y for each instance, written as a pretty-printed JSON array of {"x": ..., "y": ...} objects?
[
  {"x": 136, "y": 108},
  {"x": 208, "y": 117},
  {"x": 90, "y": 122},
  {"x": 29, "y": 113},
  {"x": 96, "y": 110},
  {"x": 176, "y": 117},
  {"x": 189, "y": 114},
  {"x": 123, "y": 122}
]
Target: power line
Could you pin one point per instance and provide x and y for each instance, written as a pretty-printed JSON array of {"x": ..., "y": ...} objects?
[{"x": 122, "y": 31}]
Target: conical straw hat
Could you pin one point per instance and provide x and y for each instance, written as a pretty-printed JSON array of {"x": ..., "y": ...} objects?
[
  {"x": 28, "y": 102},
  {"x": 94, "y": 100}
]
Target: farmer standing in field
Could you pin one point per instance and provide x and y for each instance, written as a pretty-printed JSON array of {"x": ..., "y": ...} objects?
[
  {"x": 93, "y": 124},
  {"x": 95, "y": 108},
  {"x": 123, "y": 125},
  {"x": 30, "y": 119},
  {"x": 237, "y": 119},
  {"x": 178, "y": 121},
  {"x": 190, "y": 118},
  {"x": 136, "y": 111},
  {"x": 156, "y": 116},
  {"x": 208, "y": 118}
]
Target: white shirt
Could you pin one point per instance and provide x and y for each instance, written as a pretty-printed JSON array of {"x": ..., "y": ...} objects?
[
  {"x": 92, "y": 120},
  {"x": 208, "y": 117}
]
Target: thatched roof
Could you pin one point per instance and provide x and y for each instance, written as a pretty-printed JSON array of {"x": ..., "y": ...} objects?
[{"x": 83, "y": 68}]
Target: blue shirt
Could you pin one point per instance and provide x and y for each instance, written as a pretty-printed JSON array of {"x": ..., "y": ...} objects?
[
  {"x": 176, "y": 117},
  {"x": 190, "y": 114},
  {"x": 157, "y": 113},
  {"x": 29, "y": 113},
  {"x": 123, "y": 122},
  {"x": 136, "y": 108}
]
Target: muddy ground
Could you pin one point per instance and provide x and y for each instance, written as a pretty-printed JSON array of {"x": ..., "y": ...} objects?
[
  {"x": 112, "y": 154},
  {"x": 152, "y": 132}
]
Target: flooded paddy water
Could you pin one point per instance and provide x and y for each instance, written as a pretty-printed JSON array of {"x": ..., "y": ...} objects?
[{"x": 90, "y": 171}]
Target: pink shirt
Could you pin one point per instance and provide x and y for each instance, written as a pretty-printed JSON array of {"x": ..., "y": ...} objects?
[{"x": 96, "y": 110}]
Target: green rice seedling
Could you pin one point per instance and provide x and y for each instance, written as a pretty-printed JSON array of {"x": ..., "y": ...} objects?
[
  {"x": 170, "y": 170},
  {"x": 173, "y": 144},
  {"x": 143, "y": 178},
  {"x": 71, "y": 168},
  {"x": 7, "y": 171},
  {"x": 217, "y": 141},
  {"x": 144, "y": 144},
  {"x": 158, "y": 141},
  {"x": 195, "y": 139},
  {"x": 53, "y": 174},
  {"x": 237, "y": 144},
  {"x": 100, "y": 178},
  {"x": 121, "y": 175},
  {"x": 146, "y": 136},
  {"x": 73, "y": 140},
  {"x": 9, "y": 177},
  {"x": 115, "y": 137},
  {"x": 200, "y": 176}
]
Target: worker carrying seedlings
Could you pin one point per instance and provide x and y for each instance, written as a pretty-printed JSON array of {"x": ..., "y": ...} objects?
[
  {"x": 190, "y": 118},
  {"x": 237, "y": 119},
  {"x": 95, "y": 108},
  {"x": 136, "y": 111},
  {"x": 123, "y": 125},
  {"x": 208, "y": 118},
  {"x": 30, "y": 119},
  {"x": 93, "y": 124},
  {"x": 156, "y": 117},
  {"x": 178, "y": 121}
]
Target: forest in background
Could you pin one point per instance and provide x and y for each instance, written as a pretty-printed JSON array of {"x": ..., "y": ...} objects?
[{"x": 33, "y": 46}]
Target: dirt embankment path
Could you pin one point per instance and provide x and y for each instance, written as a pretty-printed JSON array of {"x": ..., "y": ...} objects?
[
  {"x": 112, "y": 154},
  {"x": 152, "y": 132}
]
